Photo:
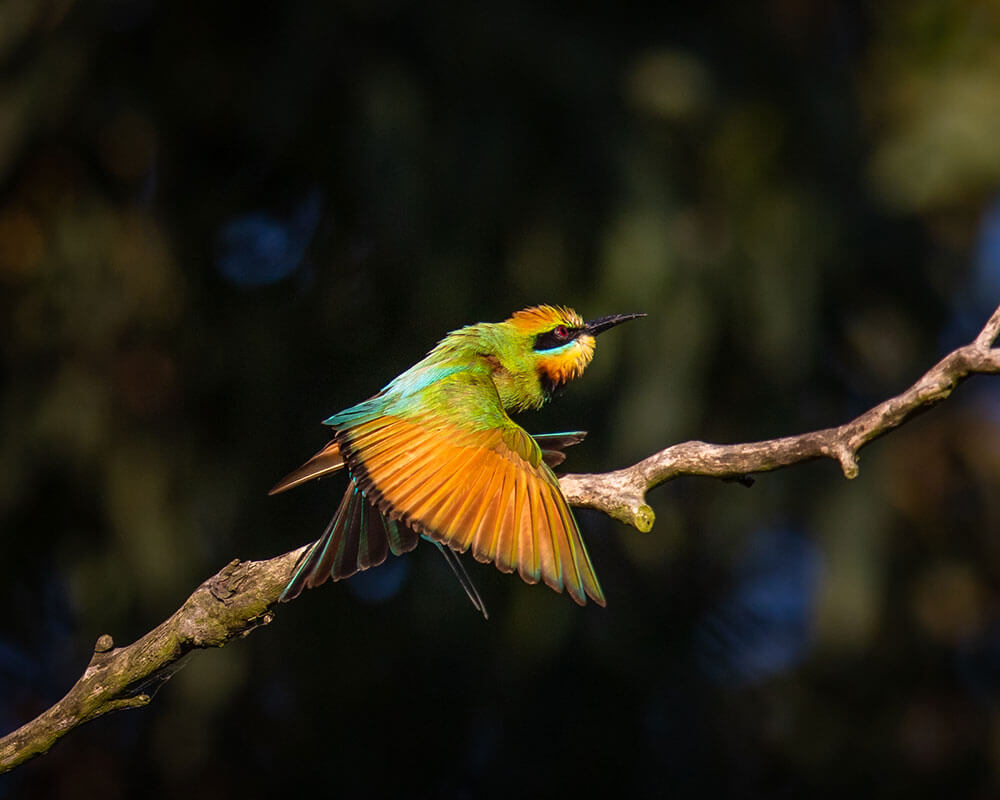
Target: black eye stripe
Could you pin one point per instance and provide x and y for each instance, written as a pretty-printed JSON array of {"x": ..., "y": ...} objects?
[{"x": 550, "y": 340}]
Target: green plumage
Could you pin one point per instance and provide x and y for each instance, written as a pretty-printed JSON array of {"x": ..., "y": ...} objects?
[{"x": 434, "y": 454}]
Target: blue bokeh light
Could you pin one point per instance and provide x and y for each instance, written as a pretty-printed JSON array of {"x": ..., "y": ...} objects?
[
  {"x": 986, "y": 277},
  {"x": 977, "y": 662},
  {"x": 257, "y": 248},
  {"x": 763, "y": 626},
  {"x": 381, "y": 583}
]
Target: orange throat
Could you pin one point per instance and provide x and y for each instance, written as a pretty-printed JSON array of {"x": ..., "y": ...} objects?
[{"x": 562, "y": 367}]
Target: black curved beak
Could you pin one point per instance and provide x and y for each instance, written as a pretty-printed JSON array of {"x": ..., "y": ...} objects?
[{"x": 601, "y": 324}]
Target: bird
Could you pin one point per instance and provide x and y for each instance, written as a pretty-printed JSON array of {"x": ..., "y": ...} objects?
[{"x": 435, "y": 455}]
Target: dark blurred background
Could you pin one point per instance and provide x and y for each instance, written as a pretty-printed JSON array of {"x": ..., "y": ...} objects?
[{"x": 222, "y": 222}]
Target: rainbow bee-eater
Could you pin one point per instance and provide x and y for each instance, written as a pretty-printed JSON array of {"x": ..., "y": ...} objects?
[{"x": 435, "y": 455}]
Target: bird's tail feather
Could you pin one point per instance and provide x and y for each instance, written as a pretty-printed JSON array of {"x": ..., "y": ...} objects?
[
  {"x": 358, "y": 537},
  {"x": 463, "y": 578}
]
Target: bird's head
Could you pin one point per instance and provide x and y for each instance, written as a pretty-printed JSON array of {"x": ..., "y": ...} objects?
[{"x": 541, "y": 348}]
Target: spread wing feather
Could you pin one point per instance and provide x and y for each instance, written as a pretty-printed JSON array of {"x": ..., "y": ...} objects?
[
  {"x": 553, "y": 444},
  {"x": 487, "y": 490},
  {"x": 325, "y": 462}
]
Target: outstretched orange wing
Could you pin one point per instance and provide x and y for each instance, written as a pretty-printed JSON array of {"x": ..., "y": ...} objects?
[{"x": 484, "y": 489}]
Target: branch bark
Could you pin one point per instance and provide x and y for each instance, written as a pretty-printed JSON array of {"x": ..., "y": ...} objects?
[
  {"x": 622, "y": 493},
  {"x": 227, "y": 606},
  {"x": 241, "y": 597}
]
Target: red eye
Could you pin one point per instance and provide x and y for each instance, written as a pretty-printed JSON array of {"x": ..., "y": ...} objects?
[{"x": 561, "y": 333}]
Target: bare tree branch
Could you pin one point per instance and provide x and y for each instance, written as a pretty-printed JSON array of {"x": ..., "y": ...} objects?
[
  {"x": 241, "y": 596},
  {"x": 229, "y": 605}
]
